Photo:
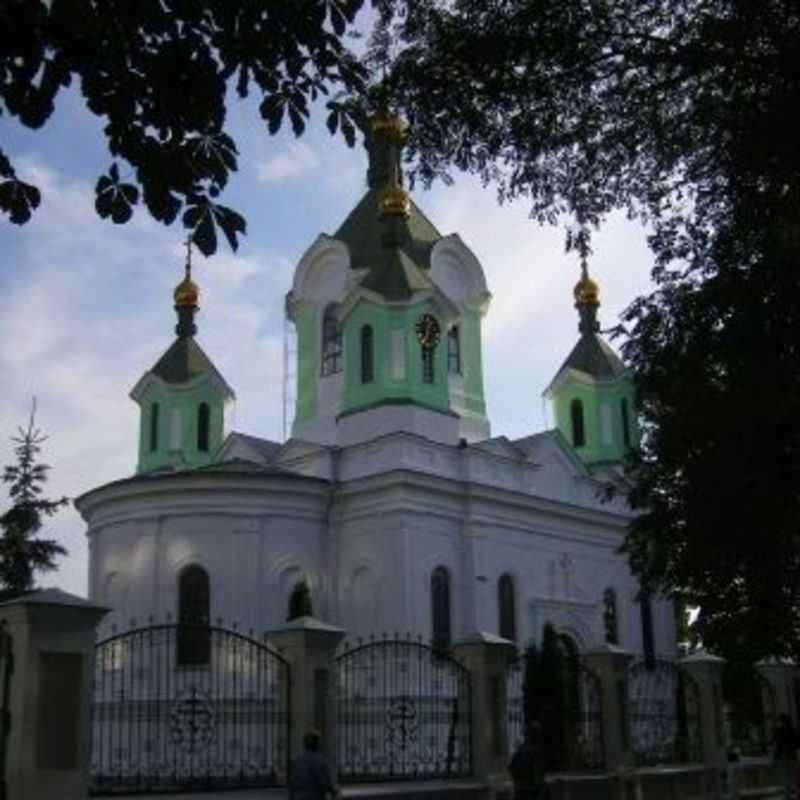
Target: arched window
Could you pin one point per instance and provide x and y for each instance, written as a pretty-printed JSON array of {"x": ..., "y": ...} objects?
[
  {"x": 454, "y": 350},
  {"x": 440, "y": 606},
  {"x": 367, "y": 355},
  {"x": 506, "y": 607},
  {"x": 576, "y": 416},
  {"x": 331, "y": 342},
  {"x": 648, "y": 642},
  {"x": 153, "y": 427},
  {"x": 610, "y": 616},
  {"x": 194, "y": 612},
  {"x": 203, "y": 422},
  {"x": 626, "y": 429},
  {"x": 428, "y": 364}
]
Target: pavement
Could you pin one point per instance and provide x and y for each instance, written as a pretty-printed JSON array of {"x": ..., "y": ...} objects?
[{"x": 410, "y": 789}]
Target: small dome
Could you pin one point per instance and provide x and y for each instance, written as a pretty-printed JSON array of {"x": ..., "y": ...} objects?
[
  {"x": 389, "y": 125},
  {"x": 186, "y": 293},
  {"x": 587, "y": 292}
]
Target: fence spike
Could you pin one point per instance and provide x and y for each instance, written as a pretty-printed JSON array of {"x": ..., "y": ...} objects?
[
  {"x": 250, "y": 632},
  {"x": 169, "y": 616},
  {"x": 359, "y": 641},
  {"x": 219, "y": 622},
  {"x": 151, "y": 619},
  {"x": 236, "y": 626},
  {"x": 133, "y": 622}
]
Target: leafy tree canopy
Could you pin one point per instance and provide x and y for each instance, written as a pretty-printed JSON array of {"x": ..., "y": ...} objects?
[
  {"x": 22, "y": 554},
  {"x": 158, "y": 72},
  {"x": 676, "y": 111}
]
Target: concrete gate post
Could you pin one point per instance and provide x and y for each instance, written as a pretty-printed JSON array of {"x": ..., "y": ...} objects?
[
  {"x": 487, "y": 656},
  {"x": 781, "y": 676},
  {"x": 309, "y": 644},
  {"x": 610, "y": 664},
  {"x": 706, "y": 670},
  {"x": 52, "y": 638}
]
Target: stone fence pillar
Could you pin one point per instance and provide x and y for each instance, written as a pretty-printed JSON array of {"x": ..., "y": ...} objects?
[
  {"x": 610, "y": 663},
  {"x": 781, "y": 676},
  {"x": 487, "y": 656},
  {"x": 51, "y": 645},
  {"x": 309, "y": 644},
  {"x": 706, "y": 670}
]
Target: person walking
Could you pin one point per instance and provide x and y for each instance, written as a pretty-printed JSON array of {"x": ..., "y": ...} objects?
[
  {"x": 785, "y": 742},
  {"x": 527, "y": 765},
  {"x": 310, "y": 774}
]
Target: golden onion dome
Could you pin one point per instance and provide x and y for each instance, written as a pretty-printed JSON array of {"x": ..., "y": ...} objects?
[
  {"x": 394, "y": 201},
  {"x": 186, "y": 293},
  {"x": 390, "y": 125},
  {"x": 586, "y": 291}
]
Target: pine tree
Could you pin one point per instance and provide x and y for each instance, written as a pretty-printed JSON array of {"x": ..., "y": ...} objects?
[{"x": 22, "y": 554}]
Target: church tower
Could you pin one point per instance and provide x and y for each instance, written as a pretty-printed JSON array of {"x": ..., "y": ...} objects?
[
  {"x": 388, "y": 315},
  {"x": 183, "y": 400},
  {"x": 592, "y": 396}
]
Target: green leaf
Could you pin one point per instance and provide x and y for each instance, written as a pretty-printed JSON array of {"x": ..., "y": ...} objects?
[{"x": 18, "y": 199}]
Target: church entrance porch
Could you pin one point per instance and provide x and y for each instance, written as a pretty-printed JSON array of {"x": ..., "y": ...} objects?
[{"x": 181, "y": 707}]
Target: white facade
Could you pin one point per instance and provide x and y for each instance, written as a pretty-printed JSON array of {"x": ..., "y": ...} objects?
[{"x": 366, "y": 526}]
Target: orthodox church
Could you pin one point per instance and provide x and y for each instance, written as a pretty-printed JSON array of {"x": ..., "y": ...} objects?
[{"x": 391, "y": 499}]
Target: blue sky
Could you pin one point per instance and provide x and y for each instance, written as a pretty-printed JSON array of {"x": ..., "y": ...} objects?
[{"x": 86, "y": 306}]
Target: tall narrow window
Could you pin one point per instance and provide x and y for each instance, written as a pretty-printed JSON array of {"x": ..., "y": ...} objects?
[
  {"x": 626, "y": 430},
  {"x": 194, "y": 611},
  {"x": 648, "y": 643},
  {"x": 454, "y": 350},
  {"x": 440, "y": 606},
  {"x": 331, "y": 342},
  {"x": 506, "y": 607},
  {"x": 576, "y": 416},
  {"x": 610, "y": 616},
  {"x": 153, "y": 427},
  {"x": 367, "y": 355},
  {"x": 203, "y": 422},
  {"x": 428, "y": 363}
]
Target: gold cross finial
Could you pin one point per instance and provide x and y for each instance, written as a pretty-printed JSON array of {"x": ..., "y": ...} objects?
[{"x": 188, "y": 258}]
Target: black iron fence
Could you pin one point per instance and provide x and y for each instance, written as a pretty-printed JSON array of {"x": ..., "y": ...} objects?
[
  {"x": 664, "y": 714},
  {"x": 182, "y": 707},
  {"x": 403, "y": 712}
]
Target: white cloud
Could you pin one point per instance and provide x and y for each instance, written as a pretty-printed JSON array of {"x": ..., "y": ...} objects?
[{"x": 296, "y": 161}]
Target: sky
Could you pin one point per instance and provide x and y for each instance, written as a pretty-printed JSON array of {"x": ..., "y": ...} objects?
[{"x": 86, "y": 305}]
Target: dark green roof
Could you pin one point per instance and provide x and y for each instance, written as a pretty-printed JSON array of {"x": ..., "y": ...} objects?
[
  {"x": 594, "y": 357},
  {"x": 394, "y": 270},
  {"x": 183, "y": 361},
  {"x": 396, "y": 277}
]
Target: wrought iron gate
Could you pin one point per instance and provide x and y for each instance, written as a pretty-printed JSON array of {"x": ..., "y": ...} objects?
[
  {"x": 403, "y": 712},
  {"x": 664, "y": 714},
  {"x": 182, "y": 707}
]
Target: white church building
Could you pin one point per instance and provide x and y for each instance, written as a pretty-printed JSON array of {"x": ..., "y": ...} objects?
[{"x": 391, "y": 499}]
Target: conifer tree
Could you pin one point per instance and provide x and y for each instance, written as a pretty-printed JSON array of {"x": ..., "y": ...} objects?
[{"x": 22, "y": 554}]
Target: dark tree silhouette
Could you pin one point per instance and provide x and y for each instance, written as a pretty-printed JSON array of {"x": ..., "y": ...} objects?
[
  {"x": 300, "y": 604},
  {"x": 673, "y": 111},
  {"x": 160, "y": 74},
  {"x": 22, "y": 554}
]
